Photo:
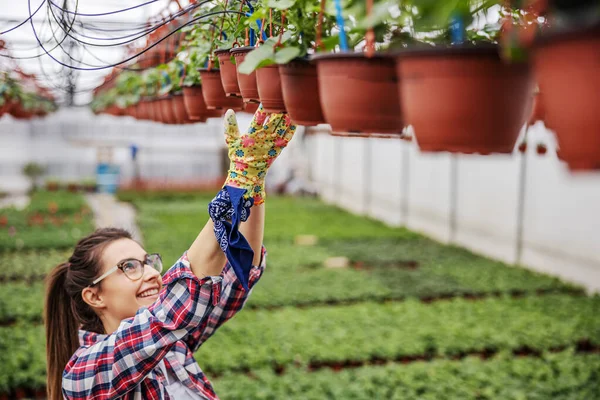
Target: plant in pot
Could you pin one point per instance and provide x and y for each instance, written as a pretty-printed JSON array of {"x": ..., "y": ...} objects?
[
  {"x": 286, "y": 79},
  {"x": 481, "y": 111},
  {"x": 212, "y": 84},
  {"x": 194, "y": 55},
  {"x": 151, "y": 79},
  {"x": 358, "y": 89},
  {"x": 175, "y": 72},
  {"x": 565, "y": 63},
  {"x": 129, "y": 92},
  {"x": 249, "y": 24},
  {"x": 164, "y": 95},
  {"x": 10, "y": 91},
  {"x": 232, "y": 27}
]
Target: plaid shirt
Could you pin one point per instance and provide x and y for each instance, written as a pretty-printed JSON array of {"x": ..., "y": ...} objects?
[{"x": 124, "y": 364}]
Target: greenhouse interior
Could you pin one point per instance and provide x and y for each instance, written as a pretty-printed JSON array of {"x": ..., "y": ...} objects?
[{"x": 168, "y": 164}]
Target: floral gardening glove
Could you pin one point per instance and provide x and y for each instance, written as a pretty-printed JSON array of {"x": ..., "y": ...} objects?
[{"x": 252, "y": 154}]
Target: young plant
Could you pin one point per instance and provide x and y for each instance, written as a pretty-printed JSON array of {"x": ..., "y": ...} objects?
[{"x": 294, "y": 23}]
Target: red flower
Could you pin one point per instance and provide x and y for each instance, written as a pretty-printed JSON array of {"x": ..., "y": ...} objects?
[{"x": 248, "y": 141}]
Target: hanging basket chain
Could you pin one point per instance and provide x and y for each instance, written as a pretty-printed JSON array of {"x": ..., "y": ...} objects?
[
  {"x": 318, "y": 42},
  {"x": 370, "y": 36}
]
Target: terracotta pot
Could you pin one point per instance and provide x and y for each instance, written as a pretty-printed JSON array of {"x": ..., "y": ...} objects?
[
  {"x": 464, "y": 99},
  {"x": 194, "y": 103},
  {"x": 158, "y": 113},
  {"x": 216, "y": 113},
  {"x": 247, "y": 83},
  {"x": 139, "y": 110},
  {"x": 300, "y": 87},
  {"x": 251, "y": 108},
  {"x": 5, "y": 108},
  {"x": 167, "y": 110},
  {"x": 269, "y": 89},
  {"x": 228, "y": 73},
  {"x": 178, "y": 106},
  {"x": 359, "y": 94},
  {"x": 19, "y": 112},
  {"x": 214, "y": 94},
  {"x": 131, "y": 111},
  {"x": 567, "y": 69}
]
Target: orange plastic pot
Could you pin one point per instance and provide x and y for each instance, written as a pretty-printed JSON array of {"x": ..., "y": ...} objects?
[
  {"x": 156, "y": 110},
  {"x": 359, "y": 94},
  {"x": 178, "y": 105},
  {"x": 300, "y": 88},
  {"x": 167, "y": 110},
  {"x": 214, "y": 94},
  {"x": 247, "y": 83},
  {"x": 567, "y": 69},
  {"x": 194, "y": 103},
  {"x": 228, "y": 73},
  {"x": 269, "y": 89},
  {"x": 251, "y": 108},
  {"x": 464, "y": 99}
]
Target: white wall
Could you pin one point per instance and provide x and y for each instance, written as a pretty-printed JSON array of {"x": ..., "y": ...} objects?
[
  {"x": 471, "y": 201},
  {"x": 71, "y": 142}
]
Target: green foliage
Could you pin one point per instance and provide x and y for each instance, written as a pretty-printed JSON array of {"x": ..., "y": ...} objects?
[
  {"x": 367, "y": 331},
  {"x": 31, "y": 265},
  {"x": 289, "y": 337},
  {"x": 562, "y": 375},
  {"x": 51, "y": 220}
]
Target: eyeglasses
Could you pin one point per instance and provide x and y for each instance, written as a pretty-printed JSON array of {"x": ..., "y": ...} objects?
[{"x": 133, "y": 268}]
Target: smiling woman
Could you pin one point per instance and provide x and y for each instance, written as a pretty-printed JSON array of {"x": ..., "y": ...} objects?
[{"x": 116, "y": 329}]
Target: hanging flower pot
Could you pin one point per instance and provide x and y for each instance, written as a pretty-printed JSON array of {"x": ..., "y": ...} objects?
[
  {"x": 269, "y": 89},
  {"x": 194, "y": 103},
  {"x": 139, "y": 110},
  {"x": 567, "y": 68},
  {"x": 463, "y": 99},
  {"x": 359, "y": 93},
  {"x": 247, "y": 83},
  {"x": 155, "y": 109},
  {"x": 251, "y": 108},
  {"x": 228, "y": 73},
  {"x": 214, "y": 94},
  {"x": 178, "y": 105},
  {"x": 216, "y": 113},
  {"x": 300, "y": 88},
  {"x": 168, "y": 116}
]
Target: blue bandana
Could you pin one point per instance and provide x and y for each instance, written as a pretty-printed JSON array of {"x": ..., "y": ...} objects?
[{"x": 229, "y": 205}]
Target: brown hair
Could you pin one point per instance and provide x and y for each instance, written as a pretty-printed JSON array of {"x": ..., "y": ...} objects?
[{"x": 65, "y": 312}]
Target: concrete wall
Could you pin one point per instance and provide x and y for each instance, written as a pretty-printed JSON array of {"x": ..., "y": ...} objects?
[{"x": 521, "y": 208}]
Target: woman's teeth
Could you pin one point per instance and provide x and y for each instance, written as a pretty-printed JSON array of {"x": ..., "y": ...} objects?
[{"x": 149, "y": 292}]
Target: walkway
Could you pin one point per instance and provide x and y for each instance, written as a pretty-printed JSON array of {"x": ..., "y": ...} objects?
[{"x": 110, "y": 212}]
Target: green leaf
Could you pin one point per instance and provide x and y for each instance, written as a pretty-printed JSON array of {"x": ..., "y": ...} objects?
[
  {"x": 280, "y": 4},
  {"x": 287, "y": 54},
  {"x": 259, "y": 57}
]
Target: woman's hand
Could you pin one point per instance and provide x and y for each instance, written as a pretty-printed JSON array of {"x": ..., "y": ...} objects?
[{"x": 252, "y": 154}]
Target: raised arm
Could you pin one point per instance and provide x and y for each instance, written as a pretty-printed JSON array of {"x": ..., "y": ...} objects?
[{"x": 250, "y": 157}]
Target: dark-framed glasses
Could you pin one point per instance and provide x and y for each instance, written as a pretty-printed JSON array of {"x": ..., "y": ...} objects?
[{"x": 134, "y": 268}]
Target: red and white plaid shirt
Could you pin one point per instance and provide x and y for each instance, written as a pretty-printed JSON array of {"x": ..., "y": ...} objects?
[{"x": 124, "y": 364}]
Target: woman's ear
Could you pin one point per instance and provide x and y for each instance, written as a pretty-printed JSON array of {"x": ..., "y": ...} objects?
[{"x": 91, "y": 295}]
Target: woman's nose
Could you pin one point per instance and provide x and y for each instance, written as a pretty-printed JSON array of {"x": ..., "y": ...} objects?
[{"x": 150, "y": 273}]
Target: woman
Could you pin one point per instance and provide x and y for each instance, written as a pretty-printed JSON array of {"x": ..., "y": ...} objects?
[{"x": 116, "y": 329}]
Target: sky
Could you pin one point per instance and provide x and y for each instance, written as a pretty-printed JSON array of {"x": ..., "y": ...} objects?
[{"x": 22, "y": 42}]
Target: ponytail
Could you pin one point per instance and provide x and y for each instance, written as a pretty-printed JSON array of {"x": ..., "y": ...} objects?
[
  {"x": 65, "y": 311},
  {"x": 62, "y": 329}
]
